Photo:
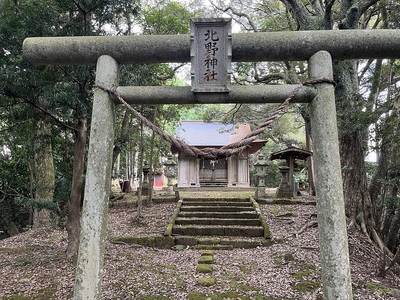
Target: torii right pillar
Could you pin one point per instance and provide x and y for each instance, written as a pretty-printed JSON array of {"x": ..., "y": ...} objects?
[{"x": 333, "y": 241}]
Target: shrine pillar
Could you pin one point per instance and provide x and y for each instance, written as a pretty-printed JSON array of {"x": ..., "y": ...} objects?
[
  {"x": 97, "y": 185},
  {"x": 331, "y": 217}
]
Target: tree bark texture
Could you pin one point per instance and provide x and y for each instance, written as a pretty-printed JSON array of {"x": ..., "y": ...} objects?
[
  {"x": 44, "y": 174},
  {"x": 352, "y": 138},
  {"x": 75, "y": 199}
]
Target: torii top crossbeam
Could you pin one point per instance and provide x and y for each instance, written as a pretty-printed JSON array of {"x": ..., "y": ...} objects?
[{"x": 266, "y": 46}]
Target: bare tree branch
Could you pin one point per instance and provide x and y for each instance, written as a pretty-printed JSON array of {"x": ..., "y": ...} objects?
[
  {"x": 316, "y": 5},
  {"x": 366, "y": 5},
  {"x": 166, "y": 77},
  {"x": 299, "y": 13},
  {"x": 237, "y": 13}
]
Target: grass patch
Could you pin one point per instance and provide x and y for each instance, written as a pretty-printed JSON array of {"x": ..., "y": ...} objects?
[
  {"x": 274, "y": 210},
  {"x": 157, "y": 297},
  {"x": 24, "y": 261},
  {"x": 169, "y": 267},
  {"x": 230, "y": 295},
  {"x": 306, "y": 286},
  {"x": 244, "y": 287},
  {"x": 378, "y": 289},
  {"x": 245, "y": 270}
]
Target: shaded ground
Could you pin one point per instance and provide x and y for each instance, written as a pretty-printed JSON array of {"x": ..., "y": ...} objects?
[{"x": 32, "y": 265}]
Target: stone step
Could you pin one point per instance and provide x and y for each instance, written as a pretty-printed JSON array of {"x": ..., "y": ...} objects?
[
  {"x": 221, "y": 199},
  {"x": 215, "y": 221},
  {"x": 217, "y": 203},
  {"x": 213, "y": 184},
  {"x": 215, "y": 230},
  {"x": 235, "y": 242},
  {"x": 216, "y": 208},
  {"x": 219, "y": 215}
]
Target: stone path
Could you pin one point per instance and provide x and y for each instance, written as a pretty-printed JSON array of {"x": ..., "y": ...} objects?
[{"x": 219, "y": 223}]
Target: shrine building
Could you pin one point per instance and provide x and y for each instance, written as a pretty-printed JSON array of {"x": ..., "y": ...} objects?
[{"x": 233, "y": 171}]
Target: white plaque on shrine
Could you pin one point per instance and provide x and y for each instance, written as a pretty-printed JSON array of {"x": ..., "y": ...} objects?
[{"x": 211, "y": 55}]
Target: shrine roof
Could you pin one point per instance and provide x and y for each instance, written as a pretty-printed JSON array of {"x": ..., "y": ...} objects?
[
  {"x": 294, "y": 152},
  {"x": 202, "y": 134}
]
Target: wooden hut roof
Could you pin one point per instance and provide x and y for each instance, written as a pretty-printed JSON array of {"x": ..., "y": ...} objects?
[{"x": 294, "y": 152}]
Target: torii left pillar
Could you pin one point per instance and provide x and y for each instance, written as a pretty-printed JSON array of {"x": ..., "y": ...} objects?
[{"x": 97, "y": 187}]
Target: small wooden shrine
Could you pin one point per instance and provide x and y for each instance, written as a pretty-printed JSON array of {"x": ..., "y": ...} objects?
[
  {"x": 225, "y": 172},
  {"x": 287, "y": 187}
]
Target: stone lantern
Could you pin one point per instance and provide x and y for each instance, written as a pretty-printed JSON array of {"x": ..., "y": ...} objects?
[
  {"x": 284, "y": 189},
  {"x": 261, "y": 174},
  {"x": 170, "y": 172},
  {"x": 145, "y": 183}
]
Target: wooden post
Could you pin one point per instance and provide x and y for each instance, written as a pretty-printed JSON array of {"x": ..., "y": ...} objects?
[
  {"x": 97, "y": 187},
  {"x": 334, "y": 251}
]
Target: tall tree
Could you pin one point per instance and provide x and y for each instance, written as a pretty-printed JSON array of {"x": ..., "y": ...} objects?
[{"x": 61, "y": 94}]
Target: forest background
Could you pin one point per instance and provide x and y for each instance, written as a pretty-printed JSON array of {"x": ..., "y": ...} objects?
[{"x": 46, "y": 111}]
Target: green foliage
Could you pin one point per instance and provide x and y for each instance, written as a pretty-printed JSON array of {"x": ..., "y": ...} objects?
[
  {"x": 167, "y": 18},
  {"x": 36, "y": 203},
  {"x": 59, "y": 96}
]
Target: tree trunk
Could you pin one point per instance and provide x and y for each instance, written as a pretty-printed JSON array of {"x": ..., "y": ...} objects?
[
  {"x": 9, "y": 226},
  {"x": 75, "y": 199},
  {"x": 353, "y": 143},
  {"x": 375, "y": 188},
  {"x": 310, "y": 167},
  {"x": 140, "y": 173},
  {"x": 123, "y": 136},
  {"x": 394, "y": 231},
  {"x": 151, "y": 157},
  {"x": 44, "y": 174}
]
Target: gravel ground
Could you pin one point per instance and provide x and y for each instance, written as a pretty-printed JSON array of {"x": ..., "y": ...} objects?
[{"x": 33, "y": 265}]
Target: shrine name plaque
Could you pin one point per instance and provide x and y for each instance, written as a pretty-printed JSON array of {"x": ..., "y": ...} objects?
[{"x": 211, "y": 55}]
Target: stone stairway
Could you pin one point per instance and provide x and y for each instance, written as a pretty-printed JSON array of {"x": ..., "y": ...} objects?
[{"x": 218, "y": 223}]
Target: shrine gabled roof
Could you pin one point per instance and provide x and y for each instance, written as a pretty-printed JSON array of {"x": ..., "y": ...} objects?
[
  {"x": 202, "y": 134},
  {"x": 294, "y": 152}
]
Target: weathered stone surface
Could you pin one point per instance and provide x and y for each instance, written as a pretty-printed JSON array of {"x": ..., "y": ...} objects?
[
  {"x": 261, "y": 46},
  {"x": 97, "y": 185},
  {"x": 329, "y": 186},
  {"x": 164, "y": 242}
]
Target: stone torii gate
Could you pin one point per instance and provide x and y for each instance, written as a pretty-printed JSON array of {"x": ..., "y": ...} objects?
[{"x": 316, "y": 47}]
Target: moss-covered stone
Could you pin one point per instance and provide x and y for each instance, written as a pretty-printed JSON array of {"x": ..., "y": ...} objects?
[
  {"x": 164, "y": 242},
  {"x": 206, "y": 281},
  {"x": 306, "y": 286},
  {"x": 206, "y": 259},
  {"x": 140, "y": 240},
  {"x": 207, "y": 253},
  {"x": 186, "y": 240},
  {"x": 204, "y": 268}
]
